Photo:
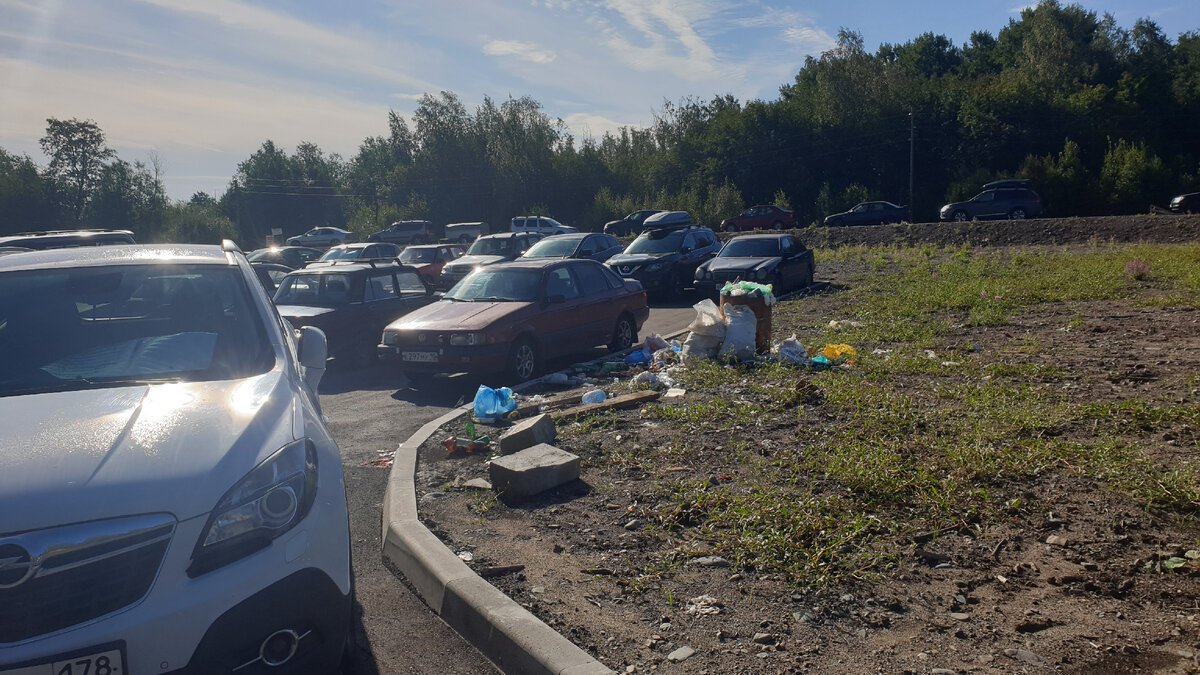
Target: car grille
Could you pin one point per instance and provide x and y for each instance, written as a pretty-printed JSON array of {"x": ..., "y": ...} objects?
[
  {"x": 58, "y": 578},
  {"x": 626, "y": 270}
]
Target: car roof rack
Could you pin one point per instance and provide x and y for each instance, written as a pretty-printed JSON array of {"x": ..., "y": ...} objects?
[{"x": 668, "y": 220}]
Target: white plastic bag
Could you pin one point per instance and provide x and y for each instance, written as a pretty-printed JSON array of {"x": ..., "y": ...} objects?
[
  {"x": 699, "y": 347},
  {"x": 740, "y": 328},
  {"x": 791, "y": 350},
  {"x": 708, "y": 319}
]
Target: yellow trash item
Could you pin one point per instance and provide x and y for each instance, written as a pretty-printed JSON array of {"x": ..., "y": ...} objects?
[{"x": 835, "y": 351}]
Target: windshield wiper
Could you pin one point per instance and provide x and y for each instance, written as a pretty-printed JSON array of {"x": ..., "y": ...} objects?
[{"x": 491, "y": 298}]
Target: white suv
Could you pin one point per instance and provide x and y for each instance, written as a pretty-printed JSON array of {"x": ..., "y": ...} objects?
[
  {"x": 540, "y": 224},
  {"x": 170, "y": 499}
]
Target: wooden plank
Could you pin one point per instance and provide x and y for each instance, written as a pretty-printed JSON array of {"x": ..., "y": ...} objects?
[
  {"x": 622, "y": 401},
  {"x": 562, "y": 400}
]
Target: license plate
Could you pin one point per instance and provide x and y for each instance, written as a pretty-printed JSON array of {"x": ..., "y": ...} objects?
[
  {"x": 111, "y": 662},
  {"x": 422, "y": 357}
]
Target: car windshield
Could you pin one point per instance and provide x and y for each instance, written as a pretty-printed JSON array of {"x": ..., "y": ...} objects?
[
  {"x": 553, "y": 248},
  {"x": 491, "y": 246},
  {"x": 342, "y": 254},
  {"x": 405, "y": 227},
  {"x": 657, "y": 242},
  {"x": 491, "y": 285},
  {"x": 321, "y": 290},
  {"x": 751, "y": 248},
  {"x": 263, "y": 254},
  {"x": 90, "y": 327},
  {"x": 418, "y": 255}
]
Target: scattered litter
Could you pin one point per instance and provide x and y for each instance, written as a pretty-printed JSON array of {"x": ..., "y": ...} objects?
[
  {"x": 704, "y": 604},
  {"x": 593, "y": 396},
  {"x": 950, "y": 363},
  {"x": 707, "y": 332},
  {"x": 491, "y": 405},
  {"x": 466, "y": 556},
  {"x": 380, "y": 462},
  {"x": 929, "y": 354},
  {"x": 556, "y": 378},
  {"x": 834, "y": 352},
  {"x": 674, "y": 392},
  {"x": 840, "y": 324},
  {"x": 881, "y": 351},
  {"x": 466, "y": 445}
]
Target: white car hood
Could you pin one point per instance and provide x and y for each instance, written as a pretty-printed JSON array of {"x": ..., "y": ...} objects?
[{"x": 177, "y": 448}]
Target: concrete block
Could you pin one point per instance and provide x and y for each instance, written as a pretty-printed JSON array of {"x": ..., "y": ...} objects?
[
  {"x": 528, "y": 433},
  {"x": 533, "y": 470}
]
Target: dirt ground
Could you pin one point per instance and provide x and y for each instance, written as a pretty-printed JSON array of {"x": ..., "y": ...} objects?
[{"x": 1070, "y": 583}]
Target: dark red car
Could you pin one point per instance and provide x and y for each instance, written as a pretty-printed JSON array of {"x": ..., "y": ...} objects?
[
  {"x": 430, "y": 259},
  {"x": 510, "y": 317},
  {"x": 763, "y": 216}
]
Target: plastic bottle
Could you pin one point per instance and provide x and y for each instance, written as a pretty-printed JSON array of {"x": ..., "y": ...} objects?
[{"x": 594, "y": 396}]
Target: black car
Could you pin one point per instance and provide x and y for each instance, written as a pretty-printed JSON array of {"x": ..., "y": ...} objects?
[
  {"x": 598, "y": 247},
  {"x": 869, "y": 213},
  {"x": 630, "y": 224},
  {"x": 40, "y": 241},
  {"x": 294, "y": 257},
  {"x": 1187, "y": 203},
  {"x": 487, "y": 250},
  {"x": 665, "y": 259},
  {"x": 351, "y": 303},
  {"x": 777, "y": 259},
  {"x": 1005, "y": 202}
]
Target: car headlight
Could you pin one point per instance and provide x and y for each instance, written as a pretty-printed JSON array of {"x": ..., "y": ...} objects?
[
  {"x": 654, "y": 267},
  {"x": 390, "y": 338},
  {"x": 467, "y": 339},
  {"x": 762, "y": 273},
  {"x": 270, "y": 500}
]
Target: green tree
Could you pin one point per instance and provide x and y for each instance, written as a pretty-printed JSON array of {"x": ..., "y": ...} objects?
[
  {"x": 1132, "y": 177},
  {"x": 77, "y": 153},
  {"x": 26, "y": 200}
]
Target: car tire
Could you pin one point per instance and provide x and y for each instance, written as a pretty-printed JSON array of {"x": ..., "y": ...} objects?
[
  {"x": 777, "y": 225},
  {"x": 1017, "y": 214},
  {"x": 522, "y": 362},
  {"x": 674, "y": 287},
  {"x": 959, "y": 216},
  {"x": 808, "y": 277},
  {"x": 624, "y": 334}
]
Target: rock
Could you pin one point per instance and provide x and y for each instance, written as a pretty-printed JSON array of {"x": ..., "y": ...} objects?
[
  {"x": 633, "y": 524},
  {"x": 943, "y": 671},
  {"x": 710, "y": 561},
  {"x": 478, "y": 484},
  {"x": 533, "y": 470},
  {"x": 763, "y": 639},
  {"x": 1025, "y": 656},
  {"x": 681, "y": 654},
  {"x": 960, "y": 616},
  {"x": 1055, "y": 540},
  {"x": 528, "y": 433}
]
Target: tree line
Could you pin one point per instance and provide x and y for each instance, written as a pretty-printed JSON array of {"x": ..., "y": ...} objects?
[{"x": 1101, "y": 118}]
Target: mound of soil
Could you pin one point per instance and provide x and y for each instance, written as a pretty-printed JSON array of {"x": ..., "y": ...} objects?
[{"x": 1163, "y": 229}]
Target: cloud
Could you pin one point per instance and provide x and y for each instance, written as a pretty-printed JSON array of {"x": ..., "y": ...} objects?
[
  {"x": 813, "y": 39},
  {"x": 587, "y": 125},
  {"x": 521, "y": 50}
]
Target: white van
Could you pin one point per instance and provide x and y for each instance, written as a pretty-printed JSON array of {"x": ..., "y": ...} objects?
[{"x": 540, "y": 224}]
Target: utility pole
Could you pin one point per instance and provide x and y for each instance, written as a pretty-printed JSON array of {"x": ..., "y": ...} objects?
[{"x": 912, "y": 136}]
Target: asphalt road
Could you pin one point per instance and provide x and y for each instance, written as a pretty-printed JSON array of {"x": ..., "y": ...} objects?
[{"x": 370, "y": 412}]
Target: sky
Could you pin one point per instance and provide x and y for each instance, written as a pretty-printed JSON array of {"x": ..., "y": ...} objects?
[{"x": 198, "y": 85}]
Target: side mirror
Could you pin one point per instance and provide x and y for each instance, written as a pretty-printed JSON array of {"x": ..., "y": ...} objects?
[
  {"x": 686, "y": 249},
  {"x": 314, "y": 349}
]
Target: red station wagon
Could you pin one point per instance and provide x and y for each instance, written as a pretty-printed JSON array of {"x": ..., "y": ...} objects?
[{"x": 509, "y": 317}]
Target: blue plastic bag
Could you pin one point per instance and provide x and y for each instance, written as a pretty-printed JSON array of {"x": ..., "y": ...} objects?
[
  {"x": 640, "y": 356},
  {"x": 491, "y": 405}
]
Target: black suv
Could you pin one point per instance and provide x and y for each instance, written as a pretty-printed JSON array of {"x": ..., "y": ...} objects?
[
  {"x": 351, "y": 303},
  {"x": 665, "y": 259},
  {"x": 1015, "y": 203},
  {"x": 41, "y": 241}
]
